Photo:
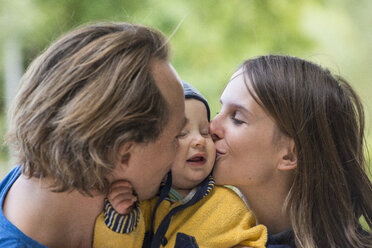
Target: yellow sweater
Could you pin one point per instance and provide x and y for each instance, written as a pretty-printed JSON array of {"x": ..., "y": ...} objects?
[{"x": 220, "y": 219}]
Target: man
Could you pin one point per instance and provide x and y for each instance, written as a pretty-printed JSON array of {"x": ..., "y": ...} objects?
[{"x": 100, "y": 104}]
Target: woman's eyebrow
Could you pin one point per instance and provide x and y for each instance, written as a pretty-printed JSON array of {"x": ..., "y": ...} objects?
[
  {"x": 242, "y": 109},
  {"x": 239, "y": 107}
]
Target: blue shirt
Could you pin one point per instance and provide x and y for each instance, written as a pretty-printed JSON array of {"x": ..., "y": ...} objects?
[{"x": 10, "y": 235}]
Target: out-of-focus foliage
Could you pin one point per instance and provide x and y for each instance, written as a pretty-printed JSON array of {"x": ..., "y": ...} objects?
[{"x": 211, "y": 38}]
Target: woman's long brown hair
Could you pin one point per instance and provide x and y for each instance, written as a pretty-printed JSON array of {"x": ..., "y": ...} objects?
[{"x": 331, "y": 190}]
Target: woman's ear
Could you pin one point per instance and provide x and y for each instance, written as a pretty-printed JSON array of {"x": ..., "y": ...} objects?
[{"x": 288, "y": 160}]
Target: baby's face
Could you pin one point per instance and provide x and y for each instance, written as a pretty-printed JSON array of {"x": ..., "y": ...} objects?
[{"x": 196, "y": 153}]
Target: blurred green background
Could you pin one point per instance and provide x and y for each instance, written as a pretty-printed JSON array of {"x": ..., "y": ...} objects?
[{"x": 209, "y": 38}]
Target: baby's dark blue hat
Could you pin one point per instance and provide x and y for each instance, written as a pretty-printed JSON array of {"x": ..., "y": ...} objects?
[{"x": 191, "y": 92}]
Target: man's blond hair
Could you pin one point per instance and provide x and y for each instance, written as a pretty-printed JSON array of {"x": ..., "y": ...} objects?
[{"x": 89, "y": 93}]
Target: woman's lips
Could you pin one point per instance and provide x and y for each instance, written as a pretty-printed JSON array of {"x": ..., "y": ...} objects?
[{"x": 219, "y": 154}]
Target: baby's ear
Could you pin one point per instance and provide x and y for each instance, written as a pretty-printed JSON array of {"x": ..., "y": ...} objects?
[{"x": 288, "y": 160}]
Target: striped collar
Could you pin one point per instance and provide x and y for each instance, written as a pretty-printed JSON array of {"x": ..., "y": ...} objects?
[{"x": 121, "y": 223}]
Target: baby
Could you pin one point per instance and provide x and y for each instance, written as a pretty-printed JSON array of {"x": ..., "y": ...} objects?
[{"x": 190, "y": 210}]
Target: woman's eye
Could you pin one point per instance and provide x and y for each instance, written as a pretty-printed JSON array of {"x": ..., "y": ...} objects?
[{"x": 235, "y": 119}]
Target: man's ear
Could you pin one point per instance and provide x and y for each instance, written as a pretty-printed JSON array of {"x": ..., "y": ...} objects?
[
  {"x": 288, "y": 160},
  {"x": 124, "y": 154}
]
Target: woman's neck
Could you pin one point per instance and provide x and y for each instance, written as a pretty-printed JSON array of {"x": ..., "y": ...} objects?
[
  {"x": 62, "y": 219},
  {"x": 267, "y": 206}
]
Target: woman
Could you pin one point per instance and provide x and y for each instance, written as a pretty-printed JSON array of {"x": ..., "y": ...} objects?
[{"x": 290, "y": 136}]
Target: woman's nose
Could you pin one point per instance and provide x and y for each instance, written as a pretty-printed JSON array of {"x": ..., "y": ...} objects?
[{"x": 215, "y": 129}]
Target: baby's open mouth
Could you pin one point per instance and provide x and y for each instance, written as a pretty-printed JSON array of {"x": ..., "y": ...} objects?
[{"x": 196, "y": 159}]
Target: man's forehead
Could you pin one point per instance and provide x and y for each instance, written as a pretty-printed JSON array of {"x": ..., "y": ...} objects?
[{"x": 166, "y": 79}]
